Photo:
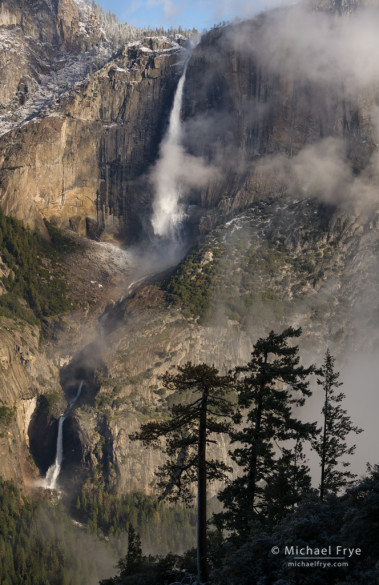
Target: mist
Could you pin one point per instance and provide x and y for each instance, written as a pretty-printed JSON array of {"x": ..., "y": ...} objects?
[
  {"x": 86, "y": 558},
  {"x": 360, "y": 376},
  {"x": 311, "y": 51},
  {"x": 323, "y": 171},
  {"x": 335, "y": 54},
  {"x": 321, "y": 64},
  {"x": 315, "y": 46}
]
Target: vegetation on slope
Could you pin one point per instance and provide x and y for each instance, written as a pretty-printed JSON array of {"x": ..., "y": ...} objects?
[
  {"x": 192, "y": 283},
  {"x": 347, "y": 521},
  {"x": 32, "y": 277},
  {"x": 39, "y": 544},
  {"x": 162, "y": 528},
  {"x": 257, "y": 264}
]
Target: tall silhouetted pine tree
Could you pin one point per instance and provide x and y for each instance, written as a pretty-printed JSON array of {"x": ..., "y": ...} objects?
[
  {"x": 187, "y": 435},
  {"x": 290, "y": 482},
  {"x": 269, "y": 386},
  {"x": 331, "y": 445}
]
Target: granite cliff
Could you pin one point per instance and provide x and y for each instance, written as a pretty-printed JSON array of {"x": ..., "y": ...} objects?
[
  {"x": 85, "y": 160},
  {"x": 46, "y": 47},
  {"x": 79, "y": 163}
]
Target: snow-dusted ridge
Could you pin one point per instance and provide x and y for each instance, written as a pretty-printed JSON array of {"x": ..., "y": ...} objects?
[
  {"x": 50, "y": 87},
  {"x": 62, "y": 74}
]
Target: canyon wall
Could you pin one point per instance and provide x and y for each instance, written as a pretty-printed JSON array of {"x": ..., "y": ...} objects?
[
  {"x": 85, "y": 160},
  {"x": 37, "y": 38}
]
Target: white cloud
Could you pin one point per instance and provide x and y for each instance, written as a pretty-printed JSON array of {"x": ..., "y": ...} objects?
[{"x": 315, "y": 46}]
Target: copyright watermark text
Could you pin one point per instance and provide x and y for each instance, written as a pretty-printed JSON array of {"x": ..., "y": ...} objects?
[{"x": 323, "y": 557}]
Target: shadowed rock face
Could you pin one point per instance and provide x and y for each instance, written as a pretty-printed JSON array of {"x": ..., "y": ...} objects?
[{"x": 43, "y": 431}]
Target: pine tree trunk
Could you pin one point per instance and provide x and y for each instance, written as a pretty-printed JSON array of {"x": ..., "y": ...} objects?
[{"x": 202, "y": 568}]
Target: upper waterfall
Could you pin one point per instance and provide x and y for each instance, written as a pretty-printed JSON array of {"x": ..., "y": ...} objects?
[{"x": 167, "y": 210}]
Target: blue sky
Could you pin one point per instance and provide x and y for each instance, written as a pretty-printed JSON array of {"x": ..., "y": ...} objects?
[{"x": 187, "y": 13}]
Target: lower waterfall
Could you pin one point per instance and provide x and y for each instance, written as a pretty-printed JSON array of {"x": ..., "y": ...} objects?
[
  {"x": 168, "y": 214},
  {"x": 54, "y": 470}
]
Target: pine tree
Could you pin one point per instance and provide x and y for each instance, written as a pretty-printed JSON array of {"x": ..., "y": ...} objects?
[
  {"x": 361, "y": 523},
  {"x": 331, "y": 446},
  {"x": 288, "y": 485},
  {"x": 188, "y": 434},
  {"x": 268, "y": 387},
  {"x": 133, "y": 560}
]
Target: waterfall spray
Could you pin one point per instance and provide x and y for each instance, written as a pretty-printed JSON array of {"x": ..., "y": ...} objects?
[{"x": 167, "y": 209}]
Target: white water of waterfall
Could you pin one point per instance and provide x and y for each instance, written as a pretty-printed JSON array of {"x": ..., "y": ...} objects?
[
  {"x": 54, "y": 470},
  {"x": 168, "y": 212}
]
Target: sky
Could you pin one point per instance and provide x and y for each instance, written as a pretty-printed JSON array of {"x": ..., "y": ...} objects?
[{"x": 201, "y": 14}]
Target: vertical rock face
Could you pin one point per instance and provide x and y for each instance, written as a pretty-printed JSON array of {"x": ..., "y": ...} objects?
[
  {"x": 25, "y": 371},
  {"x": 148, "y": 342},
  {"x": 84, "y": 158},
  {"x": 252, "y": 91}
]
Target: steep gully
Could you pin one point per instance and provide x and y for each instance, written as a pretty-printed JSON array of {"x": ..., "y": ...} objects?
[{"x": 164, "y": 249}]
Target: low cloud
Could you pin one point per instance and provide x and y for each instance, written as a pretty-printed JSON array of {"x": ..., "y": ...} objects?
[
  {"x": 322, "y": 171},
  {"x": 298, "y": 43}
]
